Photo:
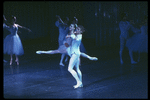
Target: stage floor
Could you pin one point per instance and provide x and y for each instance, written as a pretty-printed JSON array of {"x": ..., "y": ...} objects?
[{"x": 41, "y": 76}]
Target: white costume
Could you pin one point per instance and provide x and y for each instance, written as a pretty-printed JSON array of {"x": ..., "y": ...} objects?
[{"x": 12, "y": 42}]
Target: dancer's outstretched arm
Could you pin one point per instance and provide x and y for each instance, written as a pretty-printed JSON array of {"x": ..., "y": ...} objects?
[{"x": 23, "y": 27}]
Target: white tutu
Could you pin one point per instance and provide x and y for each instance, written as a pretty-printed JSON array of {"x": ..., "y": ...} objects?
[{"x": 12, "y": 43}]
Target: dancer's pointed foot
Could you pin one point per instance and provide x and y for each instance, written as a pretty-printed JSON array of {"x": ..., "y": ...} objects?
[
  {"x": 4, "y": 61},
  {"x": 78, "y": 85},
  {"x": 61, "y": 64},
  {"x": 121, "y": 61},
  {"x": 10, "y": 62},
  {"x": 133, "y": 62},
  {"x": 38, "y": 52},
  {"x": 93, "y": 58},
  {"x": 17, "y": 61}
]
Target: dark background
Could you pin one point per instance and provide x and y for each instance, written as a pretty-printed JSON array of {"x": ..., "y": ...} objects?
[
  {"x": 40, "y": 76},
  {"x": 100, "y": 19}
]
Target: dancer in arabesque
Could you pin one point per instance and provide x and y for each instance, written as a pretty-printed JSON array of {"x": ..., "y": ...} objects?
[
  {"x": 64, "y": 49},
  {"x": 63, "y": 31}
]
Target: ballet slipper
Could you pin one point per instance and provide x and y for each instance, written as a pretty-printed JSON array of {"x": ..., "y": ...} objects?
[
  {"x": 78, "y": 85},
  {"x": 121, "y": 61},
  {"x": 11, "y": 62},
  {"x": 38, "y": 52},
  {"x": 61, "y": 64},
  {"x": 93, "y": 58},
  {"x": 17, "y": 62},
  {"x": 133, "y": 62}
]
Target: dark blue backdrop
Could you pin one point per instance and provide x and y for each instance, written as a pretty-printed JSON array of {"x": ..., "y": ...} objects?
[{"x": 100, "y": 19}]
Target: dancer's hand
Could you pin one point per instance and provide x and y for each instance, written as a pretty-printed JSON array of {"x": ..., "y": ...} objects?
[
  {"x": 57, "y": 16},
  {"x": 4, "y": 17},
  {"x": 29, "y": 30}
]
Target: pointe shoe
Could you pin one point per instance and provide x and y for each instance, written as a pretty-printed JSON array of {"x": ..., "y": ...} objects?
[
  {"x": 61, "y": 64},
  {"x": 10, "y": 62},
  {"x": 38, "y": 52},
  {"x": 78, "y": 85},
  {"x": 4, "y": 61},
  {"x": 133, "y": 62},
  {"x": 17, "y": 62},
  {"x": 121, "y": 61},
  {"x": 93, "y": 58}
]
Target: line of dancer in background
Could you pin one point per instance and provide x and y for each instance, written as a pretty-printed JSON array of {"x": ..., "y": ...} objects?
[
  {"x": 138, "y": 42},
  {"x": 71, "y": 47},
  {"x": 12, "y": 43}
]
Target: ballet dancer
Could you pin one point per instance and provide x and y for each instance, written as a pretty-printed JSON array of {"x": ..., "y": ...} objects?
[
  {"x": 12, "y": 42},
  {"x": 65, "y": 48},
  {"x": 124, "y": 26},
  {"x": 138, "y": 42},
  {"x": 74, "y": 54},
  {"x": 63, "y": 31}
]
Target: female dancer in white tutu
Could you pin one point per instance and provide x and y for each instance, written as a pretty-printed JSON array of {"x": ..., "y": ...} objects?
[
  {"x": 138, "y": 42},
  {"x": 12, "y": 43},
  {"x": 124, "y": 26},
  {"x": 63, "y": 31}
]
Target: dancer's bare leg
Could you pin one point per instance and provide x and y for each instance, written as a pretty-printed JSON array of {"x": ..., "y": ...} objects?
[
  {"x": 78, "y": 70},
  {"x": 66, "y": 58},
  {"x": 11, "y": 58},
  {"x": 48, "y": 52},
  {"x": 72, "y": 62},
  {"x": 131, "y": 57},
  {"x": 17, "y": 60},
  {"x": 61, "y": 60},
  {"x": 4, "y": 61},
  {"x": 87, "y": 56},
  {"x": 122, "y": 42}
]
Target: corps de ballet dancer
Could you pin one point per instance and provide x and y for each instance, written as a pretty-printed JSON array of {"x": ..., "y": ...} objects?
[
  {"x": 124, "y": 26},
  {"x": 139, "y": 42},
  {"x": 12, "y": 42},
  {"x": 63, "y": 31}
]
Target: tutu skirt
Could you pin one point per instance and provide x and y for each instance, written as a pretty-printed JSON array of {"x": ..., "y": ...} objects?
[
  {"x": 12, "y": 45},
  {"x": 138, "y": 42}
]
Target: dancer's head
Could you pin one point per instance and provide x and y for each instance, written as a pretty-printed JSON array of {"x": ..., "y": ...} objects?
[
  {"x": 124, "y": 16},
  {"x": 80, "y": 29},
  {"x": 13, "y": 19},
  {"x": 72, "y": 27}
]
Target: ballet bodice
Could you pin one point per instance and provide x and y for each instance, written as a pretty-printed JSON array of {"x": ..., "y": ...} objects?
[
  {"x": 124, "y": 27},
  {"x": 13, "y": 28},
  {"x": 75, "y": 44}
]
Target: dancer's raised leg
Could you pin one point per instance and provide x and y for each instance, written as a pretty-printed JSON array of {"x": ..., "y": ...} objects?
[{"x": 87, "y": 56}]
